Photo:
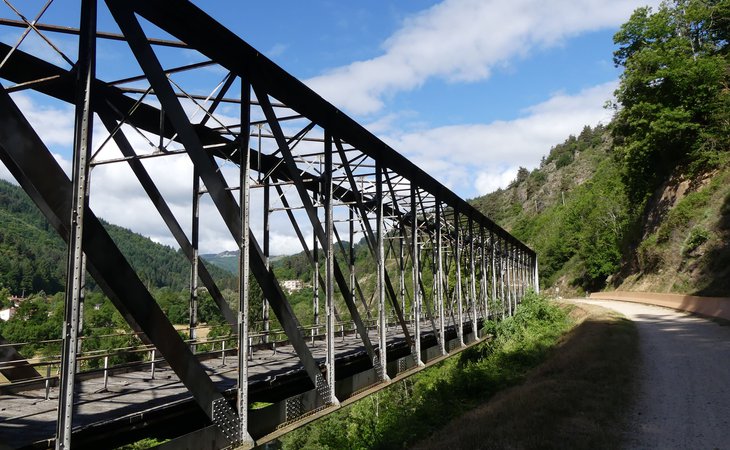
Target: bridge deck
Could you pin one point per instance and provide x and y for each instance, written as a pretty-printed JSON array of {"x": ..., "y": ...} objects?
[{"x": 27, "y": 417}]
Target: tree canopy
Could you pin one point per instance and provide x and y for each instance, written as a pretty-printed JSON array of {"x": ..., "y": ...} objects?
[{"x": 673, "y": 101}]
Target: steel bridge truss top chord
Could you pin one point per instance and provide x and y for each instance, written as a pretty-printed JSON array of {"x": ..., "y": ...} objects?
[{"x": 264, "y": 134}]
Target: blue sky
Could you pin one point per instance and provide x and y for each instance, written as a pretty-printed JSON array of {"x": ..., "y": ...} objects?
[{"x": 468, "y": 89}]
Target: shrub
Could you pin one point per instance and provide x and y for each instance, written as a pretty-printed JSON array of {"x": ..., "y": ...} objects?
[{"x": 697, "y": 236}]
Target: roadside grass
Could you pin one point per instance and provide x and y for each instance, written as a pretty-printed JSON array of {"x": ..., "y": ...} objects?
[
  {"x": 576, "y": 399},
  {"x": 414, "y": 408}
]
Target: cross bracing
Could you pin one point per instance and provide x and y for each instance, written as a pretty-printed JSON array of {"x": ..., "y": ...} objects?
[{"x": 258, "y": 145}]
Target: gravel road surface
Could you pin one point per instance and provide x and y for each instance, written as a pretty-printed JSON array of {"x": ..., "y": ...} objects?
[{"x": 684, "y": 391}]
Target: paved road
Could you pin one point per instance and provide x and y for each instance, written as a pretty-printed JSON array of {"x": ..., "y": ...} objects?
[{"x": 684, "y": 393}]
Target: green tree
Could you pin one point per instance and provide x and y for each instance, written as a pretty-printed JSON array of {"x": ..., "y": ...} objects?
[{"x": 674, "y": 92}]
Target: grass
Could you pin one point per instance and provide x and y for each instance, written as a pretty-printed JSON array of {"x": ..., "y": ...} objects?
[
  {"x": 407, "y": 411},
  {"x": 576, "y": 399}
]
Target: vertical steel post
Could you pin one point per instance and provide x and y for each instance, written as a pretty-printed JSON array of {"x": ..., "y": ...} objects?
[
  {"x": 457, "y": 283},
  {"x": 267, "y": 251},
  {"x": 439, "y": 279},
  {"x": 244, "y": 200},
  {"x": 415, "y": 259},
  {"x": 518, "y": 277},
  {"x": 535, "y": 274},
  {"x": 380, "y": 253},
  {"x": 315, "y": 274},
  {"x": 402, "y": 270},
  {"x": 518, "y": 265},
  {"x": 515, "y": 277},
  {"x": 522, "y": 274},
  {"x": 507, "y": 273},
  {"x": 83, "y": 128},
  {"x": 194, "y": 242},
  {"x": 518, "y": 286},
  {"x": 351, "y": 223},
  {"x": 493, "y": 247},
  {"x": 106, "y": 372},
  {"x": 153, "y": 357},
  {"x": 511, "y": 265},
  {"x": 485, "y": 297},
  {"x": 329, "y": 270},
  {"x": 500, "y": 254},
  {"x": 513, "y": 289},
  {"x": 473, "y": 282},
  {"x": 82, "y": 291}
]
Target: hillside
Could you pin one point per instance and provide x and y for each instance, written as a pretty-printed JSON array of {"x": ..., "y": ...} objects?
[
  {"x": 643, "y": 203},
  {"x": 33, "y": 256},
  {"x": 577, "y": 216},
  {"x": 32, "y": 265},
  {"x": 227, "y": 260},
  {"x": 572, "y": 210}
]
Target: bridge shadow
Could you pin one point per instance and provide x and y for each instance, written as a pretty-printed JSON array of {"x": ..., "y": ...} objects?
[{"x": 575, "y": 399}]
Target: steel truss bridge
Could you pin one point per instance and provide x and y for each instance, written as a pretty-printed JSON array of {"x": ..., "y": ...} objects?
[{"x": 260, "y": 144}]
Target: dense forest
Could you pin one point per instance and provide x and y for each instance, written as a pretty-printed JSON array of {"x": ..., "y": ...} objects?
[
  {"x": 32, "y": 265},
  {"x": 33, "y": 256},
  {"x": 644, "y": 201}
]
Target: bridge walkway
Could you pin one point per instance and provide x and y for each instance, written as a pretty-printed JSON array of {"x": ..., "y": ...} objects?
[{"x": 27, "y": 417}]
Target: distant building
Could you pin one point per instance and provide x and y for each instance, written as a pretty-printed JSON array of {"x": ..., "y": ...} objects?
[
  {"x": 292, "y": 285},
  {"x": 7, "y": 313}
]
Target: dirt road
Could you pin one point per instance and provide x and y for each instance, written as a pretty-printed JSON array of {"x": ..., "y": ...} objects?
[{"x": 684, "y": 391}]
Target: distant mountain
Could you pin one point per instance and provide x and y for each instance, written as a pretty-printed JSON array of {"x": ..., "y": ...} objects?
[
  {"x": 33, "y": 256},
  {"x": 227, "y": 260}
]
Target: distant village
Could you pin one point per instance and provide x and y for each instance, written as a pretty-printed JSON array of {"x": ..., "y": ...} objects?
[{"x": 8, "y": 312}]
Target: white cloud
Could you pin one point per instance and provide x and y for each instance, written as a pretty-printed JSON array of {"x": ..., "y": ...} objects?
[
  {"x": 477, "y": 158},
  {"x": 490, "y": 181},
  {"x": 463, "y": 40},
  {"x": 54, "y": 124}
]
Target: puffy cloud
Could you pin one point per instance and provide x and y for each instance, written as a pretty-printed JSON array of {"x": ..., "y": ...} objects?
[
  {"x": 478, "y": 158},
  {"x": 54, "y": 124},
  {"x": 499, "y": 177},
  {"x": 463, "y": 40}
]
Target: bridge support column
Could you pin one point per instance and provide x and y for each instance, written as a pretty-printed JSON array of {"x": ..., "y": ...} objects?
[
  {"x": 508, "y": 269},
  {"x": 380, "y": 256},
  {"x": 512, "y": 276},
  {"x": 415, "y": 258},
  {"x": 315, "y": 271},
  {"x": 402, "y": 268},
  {"x": 194, "y": 238},
  {"x": 484, "y": 285},
  {"x": 457, "y": 283},
  {"x": 500, "y": 269},
  {"x": 493, "y": 264},
  {"x": 84, "y": 119},
  {"x": 439, "y": 278},
  {"x": 265, "y": 309},
  {"x": 351, "y": 257},
  {"x": 472, "y": 282},
  {"x": 329, "y": 395},
  {"x": 523, "y": 271},
  {"x": 244, "y": 200}
]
